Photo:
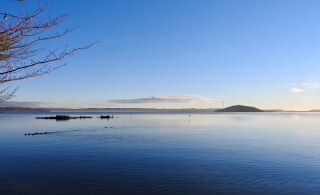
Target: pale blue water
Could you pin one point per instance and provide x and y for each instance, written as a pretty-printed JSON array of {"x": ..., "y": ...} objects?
[{"x": 161, "y": 154}]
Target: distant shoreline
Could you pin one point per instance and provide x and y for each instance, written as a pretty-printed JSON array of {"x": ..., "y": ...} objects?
[{"x": 138, "y": 110}]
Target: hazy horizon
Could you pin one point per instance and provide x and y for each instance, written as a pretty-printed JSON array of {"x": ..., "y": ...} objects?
[{"x": 39, "y": 105}]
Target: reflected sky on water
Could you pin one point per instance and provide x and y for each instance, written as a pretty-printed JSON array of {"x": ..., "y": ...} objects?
[{"x": 161, "y": 154}]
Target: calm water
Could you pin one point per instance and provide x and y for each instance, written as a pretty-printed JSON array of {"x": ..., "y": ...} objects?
[{"x": 161, "y": 154}]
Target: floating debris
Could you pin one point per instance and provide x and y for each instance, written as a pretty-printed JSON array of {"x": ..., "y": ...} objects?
[
  {"x": 110, "y": 127},
  {"x": 33, "y": 134},
  {"x": 53, "y": 132}
]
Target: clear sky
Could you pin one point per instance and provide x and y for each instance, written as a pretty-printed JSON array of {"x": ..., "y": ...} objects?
[{"x": 184, "y": 53}]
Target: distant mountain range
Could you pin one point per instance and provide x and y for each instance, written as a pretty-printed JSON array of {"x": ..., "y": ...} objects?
[
  {"x": 22, "y": 109},
  {"x": 315, "y": 110},
  {"x": 141, "y": 110},
  {"x": 236, "y": 108}
]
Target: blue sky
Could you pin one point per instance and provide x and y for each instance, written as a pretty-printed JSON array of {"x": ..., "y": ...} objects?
[{"x": 184, "y": 53}]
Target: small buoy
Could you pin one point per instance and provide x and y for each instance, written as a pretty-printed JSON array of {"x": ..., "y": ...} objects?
[{"x": 5, "y": 17}]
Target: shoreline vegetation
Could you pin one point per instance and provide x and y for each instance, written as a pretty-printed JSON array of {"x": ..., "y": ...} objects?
[{"x": 236, "y": 108}]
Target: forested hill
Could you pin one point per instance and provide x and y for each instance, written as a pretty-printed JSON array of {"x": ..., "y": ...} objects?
[{"x": 239, "y": 108}]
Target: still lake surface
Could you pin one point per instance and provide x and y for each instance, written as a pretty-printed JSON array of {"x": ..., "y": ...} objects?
[{"x": 161, "y": 154}]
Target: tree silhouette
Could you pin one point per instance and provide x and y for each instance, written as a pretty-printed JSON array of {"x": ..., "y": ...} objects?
[{"x": 21, "y": 57}]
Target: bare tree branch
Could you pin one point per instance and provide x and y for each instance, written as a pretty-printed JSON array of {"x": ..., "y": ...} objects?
[{"x": 20, "y": 56}]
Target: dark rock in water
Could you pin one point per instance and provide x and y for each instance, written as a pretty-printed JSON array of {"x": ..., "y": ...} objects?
[
  {"x": 106, "y": 117},
  {"x": 63, "y": 117}
]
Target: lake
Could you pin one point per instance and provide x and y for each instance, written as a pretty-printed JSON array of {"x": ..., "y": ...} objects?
[{"x": 141, "y": 153}]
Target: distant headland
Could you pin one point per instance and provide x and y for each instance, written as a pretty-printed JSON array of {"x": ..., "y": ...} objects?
[{"x": 239, "y": 108}]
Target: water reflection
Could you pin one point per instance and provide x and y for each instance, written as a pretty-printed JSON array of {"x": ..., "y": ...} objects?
[{"x": 161, "y": 154}]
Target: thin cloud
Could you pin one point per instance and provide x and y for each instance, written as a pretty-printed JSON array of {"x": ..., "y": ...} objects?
[
  {"x": 311, "y": 85},
  {"x": 296, "y": 90},
  {"x": 24, "y": 104},
  {"x": 164, "y": 99},
  {"x": 304, "y": 87}
]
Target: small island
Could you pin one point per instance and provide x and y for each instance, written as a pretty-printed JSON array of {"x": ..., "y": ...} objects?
[{"x": 239, "y": 108}]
